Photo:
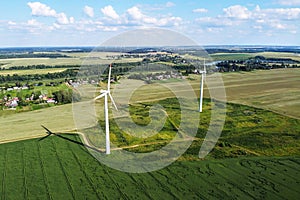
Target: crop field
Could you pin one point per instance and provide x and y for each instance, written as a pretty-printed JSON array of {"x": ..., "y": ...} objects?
[
  {"x": 55, "y": 168},
  {"x": 35, "y": 71},
  {"x": 244, "y": 56},
  {"x": 26, "y": 125},
  {"x": 256, "y": 157},
  {"x": 73, "y": 59},
  {"x": 276, "y": 90},
  {"x": 6, "y": 63}
]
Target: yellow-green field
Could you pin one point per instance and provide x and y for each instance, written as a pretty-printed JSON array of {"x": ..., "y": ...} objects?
[
  {"x": 31, "y": 71},
  {"x": 275, "y": 90},
  {"x": 73, "y": 59},
  {"x": 238, "y": 56}
]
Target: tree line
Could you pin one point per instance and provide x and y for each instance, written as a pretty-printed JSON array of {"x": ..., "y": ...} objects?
[
  {"x": 33, "y": 55},
  {"x": 69, "y": 73},
  {"x": 42, "y": 66},
  {"x": 259, "y": 62}
]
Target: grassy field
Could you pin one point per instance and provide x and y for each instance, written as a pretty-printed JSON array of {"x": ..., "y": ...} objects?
[
  {"x": 33, "y": 71},
  {"x": 73, "y": 59},
  {"x": 26, "y": 125},
  {"x": 257, "y": 156},
  {"x": 244, "y": 56},
  {"x": 58, "y": 169},
  {"x": 277, "y": 90}
]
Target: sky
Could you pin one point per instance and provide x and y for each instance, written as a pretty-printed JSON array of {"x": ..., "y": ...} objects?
[{"x": 91, "y": 22}]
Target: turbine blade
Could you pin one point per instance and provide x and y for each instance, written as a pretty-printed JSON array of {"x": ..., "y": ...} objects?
[
  {"x": 112, "y": 100},
  {"x": 100, "y": 96}
]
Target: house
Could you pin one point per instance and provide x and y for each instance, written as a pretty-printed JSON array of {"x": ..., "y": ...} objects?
[{"x": 50, "y": 100}]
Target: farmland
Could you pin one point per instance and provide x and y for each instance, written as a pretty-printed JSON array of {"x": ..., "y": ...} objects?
[
  {"x": 55, "y": 168},
  {"x": 256, "y": 157}
]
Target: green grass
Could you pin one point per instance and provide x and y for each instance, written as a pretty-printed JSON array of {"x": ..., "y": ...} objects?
[
  {"x": 34, "y": 71},
  {"x": 58, "y": 169},
  {"x": 247, "y": 131},
  {"x": 276, "y": 90},
  {"x": 244, "y": 56},
  {"x": 230, "y": 56}
]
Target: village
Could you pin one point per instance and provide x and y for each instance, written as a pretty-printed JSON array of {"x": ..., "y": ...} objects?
[{"x": 13, "y": 97}]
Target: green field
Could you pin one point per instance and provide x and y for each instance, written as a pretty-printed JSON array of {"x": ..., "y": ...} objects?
[
  {"x": 35, "y": 71},
  {"x": 73, "y": 59},
  {"x": 256, "y": 157},
  {"x": 262, "y": 89},
  {"x": 244, "y": 56},
  {"x": 55, "y": 168},
  {"x": 276, "y": 90}
]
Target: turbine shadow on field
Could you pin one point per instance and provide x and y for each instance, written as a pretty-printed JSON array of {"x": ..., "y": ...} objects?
[{"x": 49, "y": 133}]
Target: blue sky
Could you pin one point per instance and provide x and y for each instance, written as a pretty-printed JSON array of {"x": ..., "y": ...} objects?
[{"x": 91, "y": 22}]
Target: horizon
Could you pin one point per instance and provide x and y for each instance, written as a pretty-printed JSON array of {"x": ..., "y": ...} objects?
[{"x": 204, "y": 46}]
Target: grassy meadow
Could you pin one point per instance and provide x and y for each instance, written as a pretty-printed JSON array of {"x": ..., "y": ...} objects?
[
  {"x": 244, "y": 56},
  {"x": 276, "y": 90}
]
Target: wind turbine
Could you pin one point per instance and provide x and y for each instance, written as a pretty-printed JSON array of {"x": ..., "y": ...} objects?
[
  {"x": 203, "y": 73},
  {"x": 105, "y": 94}
]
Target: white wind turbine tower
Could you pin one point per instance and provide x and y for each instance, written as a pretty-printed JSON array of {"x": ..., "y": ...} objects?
[
  {"x": 105, "y": 94},
  {"x": 203, "y": 73}
]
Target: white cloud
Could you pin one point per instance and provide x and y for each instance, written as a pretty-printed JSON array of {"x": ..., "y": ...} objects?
[
  {"x": 109, "y": 12},
  {"x": 170, "y": 4},
  {"x": 283, "y": 13},
  {"x": 39, "y": 9},
  {"x": 200, "y": 10},
  {"x": 62, "y": 18},
  {"x": 33, "y": 22},
  {"x": 135, "y": 13},
  {"x": 89, "y": 11},
  {"x": 289, "y": 2},
  {"x": 11, "y": 23},
  {"x": 135, "y": 16},
  {"x": 237, "y": 11}
]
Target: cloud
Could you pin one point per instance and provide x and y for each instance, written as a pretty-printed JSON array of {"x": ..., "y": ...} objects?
[
  {"x": 200, "y": 10},
  {"x": 135, "y": 16},
  {"x": 135, "y": 13},
  {"x": 33, "y": 22},
  {"x": 39, "y": 9},
  {"x": 89, "y": 11},
  {"x": 289, "y": 2},
  {"x": 109, "y": 12},
  {"x": 237, "y": 11},
  {"x": 169, "y": 4},
  {"x": 283, "y": 13}
]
